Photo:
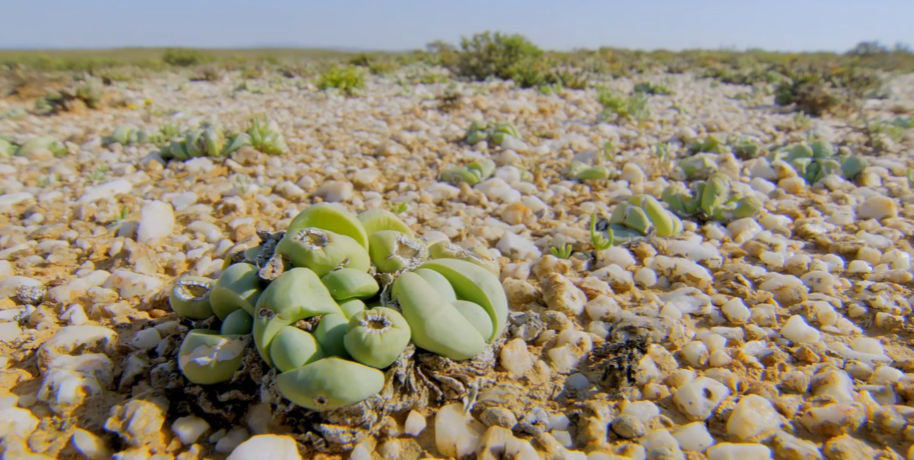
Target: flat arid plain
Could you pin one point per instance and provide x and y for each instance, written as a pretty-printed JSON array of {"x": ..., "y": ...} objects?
[{"x": 481, "y": 250}]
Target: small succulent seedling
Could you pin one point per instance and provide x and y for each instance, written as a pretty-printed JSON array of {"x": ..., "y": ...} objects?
[
  {"x": 745, "y": 149},
  {"x": 632, "y": 108},
  {"x": 711, "y": 144},
  {"x": 801, "y": 121},
  {"x": 42, "y": 143},
  {"x": 654, "y": 90},
  {"x": 596, "y": 237},
  {"x": 492, "y": 132},
  {"x": 814, "y": 160},
  {"x": 640, "y": 216},
  {"x": 562, "y": 252},
  {"x": 582, "y": 171},
  {"x": 714, "y": 199},
  {"x": 121, "y": 218},
  {"x": 7, "y": 148},
  {"x": 698, "y": 166},
  {"x": 398, "y": 208},
  {"x": 126, "y": 135},
  {"x": 664, "y": 153},
  {"x": 472, "y": 174}
]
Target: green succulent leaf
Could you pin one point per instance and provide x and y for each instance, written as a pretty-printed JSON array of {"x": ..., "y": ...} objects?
[
  {"x": 330, "y": 383},
  {"x": 377, "y": 337},
  {"x": 190, "y": 297},
  {"x": 206, "y": 357}
]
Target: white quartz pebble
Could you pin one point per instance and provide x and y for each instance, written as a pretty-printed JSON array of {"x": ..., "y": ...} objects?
[
  {"x": 693, "y": 437},
  {"x": 157, "y": 220},
  {"x": 753, "y": 419},
  {"x": 738, "y": 451},
  {"x": 266, "y": 447},
  {"x": 456, "y": 433},
  {"x": 698, "y": 398},
  {"x": 189, "y": 429}
]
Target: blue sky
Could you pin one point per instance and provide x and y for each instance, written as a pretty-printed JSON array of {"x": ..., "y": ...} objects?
[{"x": 784, "y": 25}]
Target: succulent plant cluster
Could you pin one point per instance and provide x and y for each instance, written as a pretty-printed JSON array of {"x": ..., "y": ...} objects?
[
  {"x": 472, "y": 173},
  {"x": 310, "y": 301},
  {"x": 126, "y": 135},
  {"x": 491, "y": 132},
  {"x": 210, "y": 140},
  {"x": 583, "y": 171},
  {"x": 714, "y": 199},
  {"x": 640, "y": 216},
  {"x": 8, "y": 148},
  {"x": 815, "y": 160},
  {"x": 207, "y": 140}
]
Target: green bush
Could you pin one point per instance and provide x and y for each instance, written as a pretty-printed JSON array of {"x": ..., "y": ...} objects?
[
  {"x": 183, "y": 57},
  {"x": 346, "y": 79},
  {"x": 498, "y": 55}
]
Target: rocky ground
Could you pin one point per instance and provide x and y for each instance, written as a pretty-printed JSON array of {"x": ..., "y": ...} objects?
[{"x": 785, "y": 335}]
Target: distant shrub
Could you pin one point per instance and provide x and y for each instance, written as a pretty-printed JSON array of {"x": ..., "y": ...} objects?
[
  {"x": 183, "y": 57},
  {"x": 653, "y": 90},
  {"x": 208, "y": 73},
  {"x": 817, "y": 91},
  {"x": 498, "y": 55},
  {"x": 633, "y": 108},
  {"x": 346, "y": 79}
]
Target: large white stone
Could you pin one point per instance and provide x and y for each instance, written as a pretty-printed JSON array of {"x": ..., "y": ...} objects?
[
  {"x": 157, "y": 220},
  {"x": 266, "y": 447},
  {"x": 70, "y": 379},
  {"x": 189, "y": 429},
  {"x": 753, "y": 419},
  {"x": 456, "y": 433},
  {"x": 698, "y": 398}
]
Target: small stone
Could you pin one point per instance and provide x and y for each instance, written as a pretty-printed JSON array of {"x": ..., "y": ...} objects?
[
  {"x": 790, "y": 447},
  {"x": 415, "y": 423},
  {"x": 456, "y": 434},
  {"x": 498, "y": 416},
  {"x": 232, "y": 440},
  {"x": 90, "y": 445},
  {"x": 520, "y": 293},
  {"x": 266, "y": 447},
  {"x": 698, "y": 398},
  {"x": 138, "y": 422},
  {"x": 189, "y": 429},
  {"x": 846, "y": 447},
  {"x": 335, "y": 191},
  {"x": 9, "y": 332},
  {"x": 515, "y": 358},
  {"x": 627, "y": 427},
  {"x": 693, "y": 437},
  {"x": 17, "y": 423},
  {"x": 878, "y": 207},
  {"x": 753, "y": 419},
  {"x": 734, "y": 451},
  {"x": 561, "y": 295}
]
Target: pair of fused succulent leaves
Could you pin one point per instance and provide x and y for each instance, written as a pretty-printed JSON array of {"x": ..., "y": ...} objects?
[
  {"x": 262, "y": 135},
  {"x": 640, "y": 216},
  {"x": 714, "y": 199},
  {"x": 491, "y": 132},
  {"x": 742, "y": 148},
  {"x": 815, "y": 160},
  {"x": 472, "y": 173},
  {"x": 452, "y": 305},
  {"x": 9, "y": 149},
  {"x": 476, "y": 172},
  {"x": 582, "y": 171}
]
